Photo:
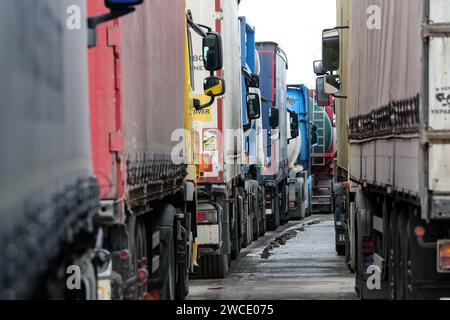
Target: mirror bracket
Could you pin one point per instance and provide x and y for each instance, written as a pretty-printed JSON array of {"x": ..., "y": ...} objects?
[
  {"x": 197, "y": 27},
  {"x": 207, "y": 105},
  {"x": 247, "y": 127},
  {"x": 93, "y": 22},
  {"x": 339, "y": 97}
]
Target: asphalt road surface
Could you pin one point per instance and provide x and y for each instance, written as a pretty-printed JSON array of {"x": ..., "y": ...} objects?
[{"x": 301, "y": 264}]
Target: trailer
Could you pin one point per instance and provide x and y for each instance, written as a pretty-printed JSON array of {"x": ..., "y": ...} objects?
[
  {"x": 48, "y": 193},
  {"x": 274, "y": 65},
  {"x": 253, "y": 132},
  {"x": 221, "y": 214},
  {"x": 139, "y": 114},
  {"x": 398, "y": 222},
  {"x": 299, "y": 151}
]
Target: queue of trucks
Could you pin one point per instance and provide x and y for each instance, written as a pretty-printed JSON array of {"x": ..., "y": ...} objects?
[
  {"x": 155, "y": 145},
  {"x": 160, "y": 139},
  {"x": 392, "y": 178}
]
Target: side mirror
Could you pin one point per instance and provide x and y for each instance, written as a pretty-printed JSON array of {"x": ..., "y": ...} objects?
[
  {"x": 274, "y": 118},
  {"x": 295, "y": 132},
  {"x": 253, "y": 106},
  {"x": 212, "y": 52},
  {"x": 214, "y": 87},
  {"x": 331, "y": 49},
  {"x": 323, "y": 99},
  {"x": 318, "y": 68},
  {"x": 122, "y": 4},
  {"x": 332, "y": 84}
]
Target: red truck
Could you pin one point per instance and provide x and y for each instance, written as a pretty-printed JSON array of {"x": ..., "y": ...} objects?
[{"x": 148, "y": 207}]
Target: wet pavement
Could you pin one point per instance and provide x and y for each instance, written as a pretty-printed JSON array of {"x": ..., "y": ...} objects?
[{"x": 298, "y": 262}]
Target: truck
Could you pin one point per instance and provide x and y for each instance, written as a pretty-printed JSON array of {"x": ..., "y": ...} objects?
[
  {"x": 221, "y": 214},
  {"x": 140, "y": 113},
  {"x": 49, "y": 194},
  {"x": 274, "y": 175},
  {"x": 253, "y": 132},
  {"x": 322, "y": 155},
  {"x": 299, "y": 151},
  {"x": 396, "y": 119}
]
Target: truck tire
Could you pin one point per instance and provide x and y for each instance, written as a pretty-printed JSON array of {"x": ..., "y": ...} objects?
[
  {"x": 410, "y": 292},
  {"x": 273, "y": 223},
  {"x": 256, "y": 227},
  {"x": 244, "y": 228},
  {"x": 348, "y": 252},
  {"x": 140, "y": 257},
  {"x": 261, "y": 206},
  {"x": 214, "y": 267},
  {"x": 284, "y": 208},
  {"x": 182, "y": 283},
  {"x": 234, "y": 232},
  {"x": 235, "y": 245},
  {"x": 164, "y": 278},
  {"x": 400, "y": 268},
  {"x": 263, "y": 229},
  {"x": 302, "y": 210},
  {"x": 168, "y": 292},
  {"x": 256, "y": 216},
  {"x": 250, "y": 218},
  {"x": 246, "y": 219},
  {"x": 340, "y": 250},
  {"x": 391, "y": 269}
]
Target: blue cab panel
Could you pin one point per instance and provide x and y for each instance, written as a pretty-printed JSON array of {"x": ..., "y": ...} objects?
[{"x": 298, "y": 101}]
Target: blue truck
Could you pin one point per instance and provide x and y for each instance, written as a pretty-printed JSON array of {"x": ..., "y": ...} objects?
[
  {"x": 254, "y": 223},
  {"x": 299, "y": 151},
  {"x": 275, "y": 172}
]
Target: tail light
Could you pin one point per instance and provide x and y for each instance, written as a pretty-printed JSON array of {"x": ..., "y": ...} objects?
[
  {"x": 124, "y": 255},
  {"x": 420, "y": 232},
  {"x": 444, "y": 256},
  {"x": 292, "y": 204},
  {"x": 207, "y": 217},
  {"x": 268, "y": 197},
  {"x": 143, "y": 275},
  {"x": 368, "y": 246}
]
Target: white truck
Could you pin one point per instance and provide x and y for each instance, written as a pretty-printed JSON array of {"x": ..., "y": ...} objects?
[
  {"x": 218, "y": 131},
  {"x": 398, "y": 90}
]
